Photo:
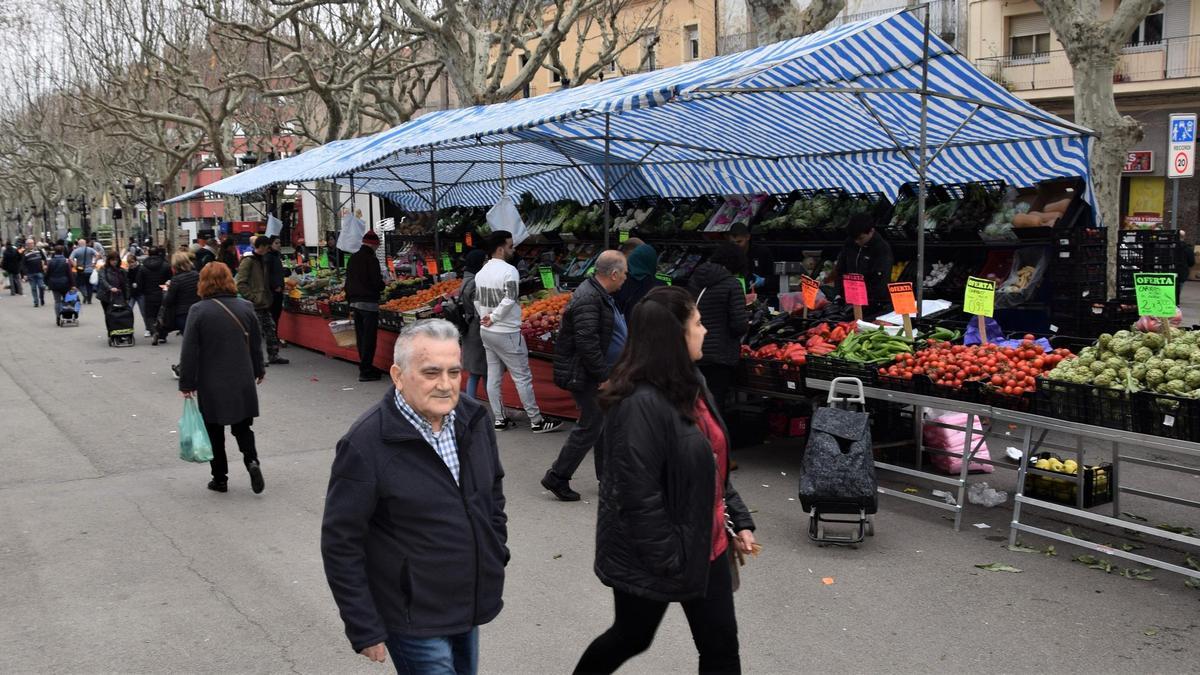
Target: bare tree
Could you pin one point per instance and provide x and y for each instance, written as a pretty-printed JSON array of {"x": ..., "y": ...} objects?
[
  {"x": 1093, "y": 46},
  {"x": 606, "y": 32},
  {"x": 775, "y": 20}
]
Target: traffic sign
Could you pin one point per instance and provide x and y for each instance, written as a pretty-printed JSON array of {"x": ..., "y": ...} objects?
[{"x": 1181, "y": 147}]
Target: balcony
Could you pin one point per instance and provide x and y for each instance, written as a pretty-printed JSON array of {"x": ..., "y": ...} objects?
[{"x": 1170, "y": 59}]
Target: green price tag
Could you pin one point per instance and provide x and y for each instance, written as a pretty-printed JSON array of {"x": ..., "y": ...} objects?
[
  {"x": 980, "y": 298},
  {"x": 446, "y": 262},
  {"x": 590, "y": 271},
  {"x": 547, "y": 276},
  {"x": 623, "y": 236},
  {"x": 458, "y": 247},
  {"x": 1155, "y": 294},
  {"x": 666, "y": 279},
  {"x": 323, "y": 261}
]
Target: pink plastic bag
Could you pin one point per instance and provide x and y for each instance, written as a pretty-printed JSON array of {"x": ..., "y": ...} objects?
[{"x": 951, "y": 440}]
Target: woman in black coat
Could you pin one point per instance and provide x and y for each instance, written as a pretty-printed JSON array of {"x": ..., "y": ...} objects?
[
  {"x": 180, "y": 296},
  {"x": 723, "y": 311},
  {"x": 228, "y": 254},
  {"x": 113, "y": 283},
  {"x": 152, "y": 275},
  {"x": 668, "y": 512},
  {"x": 221, "y": 362}
]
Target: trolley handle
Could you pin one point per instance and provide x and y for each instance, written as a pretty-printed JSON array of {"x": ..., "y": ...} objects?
[{"x": 833, "y": 399}]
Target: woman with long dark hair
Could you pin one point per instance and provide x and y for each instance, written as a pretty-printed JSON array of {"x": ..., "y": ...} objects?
[
  {"x": 113, "y": 287},
  {"x": 668, "y": 512},
  {"x": 228, "y": 254}
]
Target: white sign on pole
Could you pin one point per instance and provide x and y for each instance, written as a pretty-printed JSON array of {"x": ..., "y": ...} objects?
[{"x": 1181, "y": 147}]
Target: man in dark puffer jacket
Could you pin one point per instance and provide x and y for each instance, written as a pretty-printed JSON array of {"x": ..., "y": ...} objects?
[
  {"x": 590, "y": 339},
  {"x": 723, "y": 312}
]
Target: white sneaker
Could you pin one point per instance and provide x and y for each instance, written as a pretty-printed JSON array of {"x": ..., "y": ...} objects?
[{"x": 146, "y": 334}]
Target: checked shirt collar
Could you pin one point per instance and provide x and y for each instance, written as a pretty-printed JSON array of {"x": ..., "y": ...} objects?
[{"x": 444, "y": 443}]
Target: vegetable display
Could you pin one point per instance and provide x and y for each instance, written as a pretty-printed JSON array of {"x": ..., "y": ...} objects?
[
  {"x": 872, "y": 346},
  {"x": 1006, "y": 370},
  {"x": 422, "y": 298},
  {"x": 1131, "y": 362}
]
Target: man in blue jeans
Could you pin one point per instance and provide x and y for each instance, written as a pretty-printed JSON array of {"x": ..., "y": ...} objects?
[
  {"x": 414, "y": 536},
  {"x": 35, "y": 271}
]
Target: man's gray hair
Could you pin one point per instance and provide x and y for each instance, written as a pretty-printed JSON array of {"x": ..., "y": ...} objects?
[
  {"x": 607, "y": 264},
  {"x": 435, "y": 329}
]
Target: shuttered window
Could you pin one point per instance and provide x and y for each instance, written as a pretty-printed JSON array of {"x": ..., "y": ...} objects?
[{"x": 1028, "y": 35}]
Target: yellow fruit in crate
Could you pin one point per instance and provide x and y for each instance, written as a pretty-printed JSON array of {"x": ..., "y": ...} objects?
[
  {"x": 1071, "y": 466},
  {"x": 1057, "y": 466},
  {"x": 1043, "y": 464}
]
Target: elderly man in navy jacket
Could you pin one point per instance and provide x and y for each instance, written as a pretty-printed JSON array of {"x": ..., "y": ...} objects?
[{"x": 414, "y": 535}]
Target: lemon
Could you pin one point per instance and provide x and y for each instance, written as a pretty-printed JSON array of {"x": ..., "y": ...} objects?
[{"x": 1043, "y": 464}]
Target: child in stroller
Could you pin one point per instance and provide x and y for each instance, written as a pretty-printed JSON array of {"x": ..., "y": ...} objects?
[{"x": 68, "y": 313}]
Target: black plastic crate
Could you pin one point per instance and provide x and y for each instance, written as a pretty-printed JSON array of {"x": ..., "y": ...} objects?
[
  {"x": 1097, "y": 486},
  {"x": 1167, "y": 416},
  {"x": 1146, "y": 258},
  {"x": 948, "y": 191},
  {"x": 1075, "y": 292},
  {"x": 1078, "y": 272},
  {"x": 339, "y": 309},
  {"x": 925, "y": 386},
  {"x": 1084, "y": 403},
  {"x": 1162, "y": 237},
  {"x": 1088, "y": 253},
  {"x": 829, "y": 367},
  {"x": 771, "y": 375},
  {"x": 989, "y": 395},
  {"x": 390, "y": 321},
  {"x": 1081, "y": 237},
  {"x": 894, "y": 382}
]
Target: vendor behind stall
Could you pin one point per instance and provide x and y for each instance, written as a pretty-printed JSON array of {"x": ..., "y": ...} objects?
[
  {"x": 760, "y": 262},
  {"x": 867, "y": 253}
]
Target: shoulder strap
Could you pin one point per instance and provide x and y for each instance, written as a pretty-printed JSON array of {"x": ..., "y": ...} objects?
[{"x": 235, "y": 320}]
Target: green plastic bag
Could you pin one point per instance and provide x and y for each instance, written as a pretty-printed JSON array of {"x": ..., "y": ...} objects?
[{"x": 194, "y": 445}]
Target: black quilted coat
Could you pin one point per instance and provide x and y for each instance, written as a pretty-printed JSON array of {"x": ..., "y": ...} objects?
[
  {"x": 654, "y": 531},
  {"x": 722, "y": 311},
  {"x": 583, "y": 339}
]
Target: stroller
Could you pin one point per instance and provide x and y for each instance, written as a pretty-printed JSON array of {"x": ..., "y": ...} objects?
[
  {"x": 68, "y": 315},
  {"x": 118, "y": 319},
  {"x": 837, "y": 474}
]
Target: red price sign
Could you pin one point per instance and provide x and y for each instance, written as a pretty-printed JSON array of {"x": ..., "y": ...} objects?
[
  {"x": 854, "y": 286},
  {"x": 809, "y": 287},
  {"x": 903, "y": 300}
]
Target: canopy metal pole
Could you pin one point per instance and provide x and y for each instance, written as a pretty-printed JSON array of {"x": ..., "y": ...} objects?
[
  {"x": 923, "y": 168},
  {"x": 607, "y": 180},
  {"x": 437, "y": 239}
]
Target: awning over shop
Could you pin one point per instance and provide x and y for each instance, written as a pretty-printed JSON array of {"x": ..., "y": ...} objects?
[{"x": 840, "y": 108}]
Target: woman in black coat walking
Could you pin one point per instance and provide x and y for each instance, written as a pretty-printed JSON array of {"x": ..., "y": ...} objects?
[
  {"x": 722, "y": 303},
  {"x": 180, "y": 296},
  {"x": 152, "y": 275},
  {"x": 221, "y": 362},
  {"x": 113, "y": 286},
  {"x": 668, "y": 511}
]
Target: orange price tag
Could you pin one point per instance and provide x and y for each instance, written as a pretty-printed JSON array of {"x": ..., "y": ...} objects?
[
  {"x": 903, "y": 300},
  {"x": 391, "y": 265},
  {"x": 809, "y": 287},
  {"x": 431, "y": 266},
  {"x": 467, "y": 239}
]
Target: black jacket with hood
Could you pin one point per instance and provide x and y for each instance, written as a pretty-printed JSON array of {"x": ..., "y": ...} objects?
[
  {"x": 153, "y": 273},
  {"x": 722, "y": 311},
  {"x": 580, "y": 354}
]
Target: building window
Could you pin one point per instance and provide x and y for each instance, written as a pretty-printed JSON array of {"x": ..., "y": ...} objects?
[
  {"x": 1149, "y": 31},
  {"x": 649, "y": 50},
  {"x": 691, "y": 43},
  {"x": 1028, "y": 35}
]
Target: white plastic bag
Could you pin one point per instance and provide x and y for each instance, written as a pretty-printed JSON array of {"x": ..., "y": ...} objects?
[
  {"x": 353, "y": 229},
  {"x": 504, "y": 216},
  {"x": 274, "y": 226}
]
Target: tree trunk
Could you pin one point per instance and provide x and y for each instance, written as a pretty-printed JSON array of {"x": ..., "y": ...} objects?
[{"x": 1096, "y": 109}]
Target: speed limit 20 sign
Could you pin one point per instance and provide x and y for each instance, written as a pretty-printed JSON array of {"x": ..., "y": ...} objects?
[{"x": 1181, "y": 147}]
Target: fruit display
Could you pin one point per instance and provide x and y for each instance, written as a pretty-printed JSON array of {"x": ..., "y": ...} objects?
[
  {"x": 400, "y": 287},
  {"x": 1011, "y": 371},
  {"x": 422, "y": 298},
  {"x": 1132, "y": 362},
  {"x": 544, "y": 315}
]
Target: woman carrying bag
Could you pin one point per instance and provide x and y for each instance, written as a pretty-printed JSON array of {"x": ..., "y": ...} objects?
[
  {"x": 669, "y": 518},
  {"x": 221, "y": 362},
  {"x": 112, "y": 282}
]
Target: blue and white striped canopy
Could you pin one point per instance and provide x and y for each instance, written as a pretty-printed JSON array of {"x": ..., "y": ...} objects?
[{"x": 839, "y": 108}]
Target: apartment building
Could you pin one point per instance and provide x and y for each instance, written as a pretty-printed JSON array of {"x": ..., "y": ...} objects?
[{"x": 1158, "y": 73}]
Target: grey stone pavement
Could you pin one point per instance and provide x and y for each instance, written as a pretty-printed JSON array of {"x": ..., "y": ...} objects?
[{"x": 115, "y": 558}]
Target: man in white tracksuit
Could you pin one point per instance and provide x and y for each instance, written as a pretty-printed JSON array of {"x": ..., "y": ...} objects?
[{"x": 500, "y": 330}]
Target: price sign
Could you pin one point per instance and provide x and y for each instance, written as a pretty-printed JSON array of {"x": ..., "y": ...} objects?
[
  {"x": 666, "y": 279},
  {"x": 547, "y": 274},
  {"x": 623, "y": 236},
  {"x": 391, "y": 265},
  {"x": 809, "y": 289},
  {"x": 458, "y": 247},
  {"x": 431, "y": 266},
  {"x": 468, "y": 239},
  {"x": 446, "y": 262},
  {"x": 1155, "y": 294},
  {"x": 980, "y": 298},
  {"x": 854, "y": 286},
  {"x": 903, "y": 300}
]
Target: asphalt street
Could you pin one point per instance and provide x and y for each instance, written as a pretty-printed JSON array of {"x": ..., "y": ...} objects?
[{"x": 115, "y": 558}]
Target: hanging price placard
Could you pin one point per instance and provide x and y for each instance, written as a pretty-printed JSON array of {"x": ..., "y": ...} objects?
[
  {"x": 547, "y": 274},
  {"x": 458, "y": 247},
  {"x": 446, "y": 266},
  {"x": 1155, "y": 294},
  {"x": 854, "y": 286},
  {"x": 903, "y": 300},
  {"x": 980, "y": 298},
  {"x": 623, "y": 236},
  {"x": 431, "y": 266},
  {"x": 468, "y": 239},
  {"x": 809, "y": 288}
]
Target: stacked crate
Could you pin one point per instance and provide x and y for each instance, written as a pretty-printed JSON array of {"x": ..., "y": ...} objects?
[
  {"x": 1144, "y": 251},
  {"x": 1076, "y": 280}
]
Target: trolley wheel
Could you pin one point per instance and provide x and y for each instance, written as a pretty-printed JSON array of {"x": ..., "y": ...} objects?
[
  {"x": 870, "y": 528},
  {"x": 820, "y": 530}
]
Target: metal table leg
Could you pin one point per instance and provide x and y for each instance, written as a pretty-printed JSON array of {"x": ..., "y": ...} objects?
[
  {"x": 1022, "y": 472},
  {"x": 968, "y": 452}
]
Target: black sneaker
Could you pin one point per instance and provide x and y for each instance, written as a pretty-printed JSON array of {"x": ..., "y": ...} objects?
[
  {"x": 218, "y": 485},
  {"x": 370, "y": 377},
  {"x": 559, "y": 487},
  {"x": 503, "y": 424},
  {"x": 256, "y": 478},
  {"x": 278, "y": 360},
  {"x": 546, "y": 426},
  {"x": 175, "y": 371}
]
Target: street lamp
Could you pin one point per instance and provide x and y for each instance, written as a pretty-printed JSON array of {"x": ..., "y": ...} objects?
[{"x": 151, "y": 195}]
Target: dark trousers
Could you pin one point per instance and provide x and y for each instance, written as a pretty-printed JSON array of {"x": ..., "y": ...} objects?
[
  {"x": 720, "y": 380},
  {"x": 266, "y": 324},
  {"x": 245, "y": 440},
  {"x": 150, "y": 306},
  {"x": 276, "y": 305},
  {"x": 366, "y": 331},
  {"x": 14, "y": 283},
  {"x": 583, "y": 437},
  {"x": 711, "y": 618},
  {"x": 84, "y": 284}
]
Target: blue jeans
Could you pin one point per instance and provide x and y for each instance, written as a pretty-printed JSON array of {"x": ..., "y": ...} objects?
[
  {"x": 473, "y": 381},
  {"x": 37, "y": 284},
  {"x": 453, "y": 655}
]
